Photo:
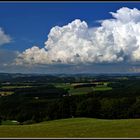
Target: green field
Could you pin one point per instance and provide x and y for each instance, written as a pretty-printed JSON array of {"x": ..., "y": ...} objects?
[
  {"x": 85, "y": 90},
  {"x": 82, "y": 90},
  {"x": 63, "y": 85},
  {"x": 75, "y": 127},
  {"x": 102, "y": 88},
  {"x": 11, "y": 87}
]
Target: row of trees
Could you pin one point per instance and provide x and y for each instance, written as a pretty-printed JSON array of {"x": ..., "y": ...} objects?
[{"x": 77, "y": 106}]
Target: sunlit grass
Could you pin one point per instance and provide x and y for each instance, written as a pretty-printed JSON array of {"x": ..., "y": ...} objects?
[{"x": 75, "y": 127}]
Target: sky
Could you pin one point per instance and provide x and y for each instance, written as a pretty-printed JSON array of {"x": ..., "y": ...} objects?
[{"x": 69, "y": 37}]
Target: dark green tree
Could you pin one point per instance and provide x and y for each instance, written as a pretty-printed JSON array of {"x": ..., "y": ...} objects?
[
  {"x": 88, "y": 108},
  {"x": 134, "y": 110},
  {"x": 0, "y": 120}
]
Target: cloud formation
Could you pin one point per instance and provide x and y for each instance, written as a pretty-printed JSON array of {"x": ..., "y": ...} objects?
[
  {"x": 4, "y": 39},
  {"x": 115, "y": 40}
]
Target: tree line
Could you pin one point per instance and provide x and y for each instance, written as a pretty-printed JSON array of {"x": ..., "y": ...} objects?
[{"x": 25, "y": 107}]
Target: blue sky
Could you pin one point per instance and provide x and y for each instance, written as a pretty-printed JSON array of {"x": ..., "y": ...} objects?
[{"x": 29, "y": 23}]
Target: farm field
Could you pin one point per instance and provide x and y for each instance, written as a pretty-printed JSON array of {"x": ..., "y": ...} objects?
[
  {"x": 83, "y": 90},
  {"x": 73, "y": 91},
  {"x": 102, "y": 88},
  {"x": 11, "y": 87},
  {"x": 75, "y": 127}
]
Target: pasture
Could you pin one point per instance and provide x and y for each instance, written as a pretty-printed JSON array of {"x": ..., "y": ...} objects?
[
  {"x": 85, "y": 90},
  {"x": 75, "y": 128},
  {"x": 12, "y": 87}
]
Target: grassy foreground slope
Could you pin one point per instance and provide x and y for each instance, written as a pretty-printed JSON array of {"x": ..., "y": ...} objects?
[{"x": 75, "y": 127}]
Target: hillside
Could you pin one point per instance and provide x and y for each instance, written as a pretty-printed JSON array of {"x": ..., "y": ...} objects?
[{"x": 75, "y": 127}]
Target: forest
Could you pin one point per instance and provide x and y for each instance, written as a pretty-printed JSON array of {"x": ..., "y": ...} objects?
[{"x": 33, "y": 99}]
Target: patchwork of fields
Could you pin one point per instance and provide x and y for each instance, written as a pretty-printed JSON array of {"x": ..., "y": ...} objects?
[
  {"x": 84, "y": 90},
  {"x": 75, "y": 127},
  {"x": 8, "y": 90}
]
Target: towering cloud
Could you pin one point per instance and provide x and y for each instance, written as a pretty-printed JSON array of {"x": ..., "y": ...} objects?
[{"x": 115, "y": 40}]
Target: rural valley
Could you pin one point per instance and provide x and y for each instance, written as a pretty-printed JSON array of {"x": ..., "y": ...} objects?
[
  {"x": 74, "y": 105},
  {"x": 69, "y": 69}
]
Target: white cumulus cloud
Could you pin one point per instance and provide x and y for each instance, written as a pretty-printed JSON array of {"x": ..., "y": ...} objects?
[{"x": 115, "y": 40}]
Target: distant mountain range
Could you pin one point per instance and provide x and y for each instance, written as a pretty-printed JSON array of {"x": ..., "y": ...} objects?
[{"x": 65, "y": 75}]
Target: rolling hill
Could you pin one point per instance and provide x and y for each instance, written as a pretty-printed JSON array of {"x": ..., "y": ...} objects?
[{"x": 75, "y": 128}]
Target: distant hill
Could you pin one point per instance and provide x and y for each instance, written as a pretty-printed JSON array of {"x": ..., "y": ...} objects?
[{"x": 19, "y": 77}]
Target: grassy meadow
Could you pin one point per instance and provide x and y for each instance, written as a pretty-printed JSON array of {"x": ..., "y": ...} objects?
[{"x": 75, "y": 127}]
